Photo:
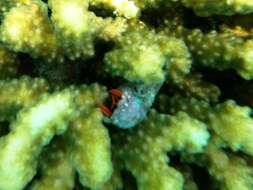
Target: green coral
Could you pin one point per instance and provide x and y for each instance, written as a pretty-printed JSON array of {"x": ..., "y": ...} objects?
[
  {"x": 228, "y": 52},
  {"x": 223, "y": 7},
  {"x": 74, "y": 26},
  {"x": 38, "y": 123},
  {"x": 126, "y": 8},
  {"x": 26, "y": 28},
  {"x": 143, "y": 55},
  {"x": 194, "y": 86},
  {"x": 59, "y": 59},
  {"x": 231, "y": 171},
  {"x": 8, "y": 63},
  {"x": 144, "y": 150},
  {"x": 32, "y": 130},
  {"x": 90, "y": 152},
  {"x": 24, "y": 91},
  {"x": 56, "y": 170},
  {"x": 231, "y": 123}
]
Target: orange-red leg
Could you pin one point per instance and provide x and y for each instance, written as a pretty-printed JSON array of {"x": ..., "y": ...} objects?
[
  {"x": 105, "y": 110},
  {"x": 114, "y": 101},
  {"x": 116, "y": 93}
]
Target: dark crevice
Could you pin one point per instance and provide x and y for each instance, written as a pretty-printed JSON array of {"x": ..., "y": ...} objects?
[
  {"x": 192, "y": 21},
  {"x": 174, "y": 158},
  {"x": 157, "y": 18},
  {"x": 71, "y": 72},
  {"x": 101, "y": 12},
  {"x": 4, "y": 128},
  {"x": 129, "y": 182},
  {"x": 38, "y": 176},
  {"x": 56, "y": 72},
  {"x": 74, "y": 72},
  {"x": 48, "y": 10},
  {"x": 202, "y": 178},
  {"x": 78, "y": 185},
  {"x": 244, "y": 21},
  {"x": 92, "y": 70},
  {"x": 26, "y": 64},
  {"x": 230, "y": 84},
  {"x": 164, "y": 89},
  {"x": 230, "y": 153},
  {"x": 200, "y": 174},
  {"x": 179, "y": 15}
]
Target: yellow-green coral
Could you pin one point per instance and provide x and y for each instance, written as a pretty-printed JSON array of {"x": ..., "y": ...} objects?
[
  {"x": 142, "y": 55},
  {"x": 90, "y": 152},
  {"x": 89, "y": 139},
  {"x": 233, "y": 124},
  {"x": 221, "y": 7},
  {"x": 26, "y": 28},
  {"x": 18, "y": 93},
  {"x": 56, "y": 170},
  {"x": 59, "y": 59},
  {"x": 8, "y": 63},
  {"x": 222, "y": 51},
  {"x": 126, "y": 8},
  {"x": 144, "y": 150},
  {"x": 36, "y": 126},
  {"x": 229, "y": 121},
  {"x": 194, "y": 86},
  {"x": 74, "y": 26},
  {"x": 115, "y": 182},
  {"x": 32, "y": 130},
  {"x": 231, "y": 171}
]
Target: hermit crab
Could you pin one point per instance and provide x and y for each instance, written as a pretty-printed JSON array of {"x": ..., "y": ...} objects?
[
  {"x": 115, "y": 95},
  {"x": 130, "y": 104}
]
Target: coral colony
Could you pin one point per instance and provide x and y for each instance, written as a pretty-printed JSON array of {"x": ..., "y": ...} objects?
[{"x": 126, "y": 94}]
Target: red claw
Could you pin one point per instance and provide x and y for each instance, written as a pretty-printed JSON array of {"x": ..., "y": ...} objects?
[
  {"x": 116, "y": 92},
  {"x": 115, "y": 96},
  {"x": 105, "y": 110}
]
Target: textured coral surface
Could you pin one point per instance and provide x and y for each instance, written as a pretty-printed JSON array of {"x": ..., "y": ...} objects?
[{"x": 126, "y": 94}]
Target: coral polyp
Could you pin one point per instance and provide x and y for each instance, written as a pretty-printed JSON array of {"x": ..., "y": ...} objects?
[{"x": 126, "y": 95}]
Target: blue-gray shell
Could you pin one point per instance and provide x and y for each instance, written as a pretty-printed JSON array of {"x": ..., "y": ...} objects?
[{"x": 134, "y": 105}]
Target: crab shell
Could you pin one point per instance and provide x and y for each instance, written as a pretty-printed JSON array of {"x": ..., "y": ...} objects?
[{"x": 133, "y": 105}]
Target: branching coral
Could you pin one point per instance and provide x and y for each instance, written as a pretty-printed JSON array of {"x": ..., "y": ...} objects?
[
  {"x": 173, "y": 67},
  {"x": 90, "y": 149},
  {"x": 228, "y": 52},
  {"x": 144, "y": 150},
  {"x": 230, "y": 122},
  {"x": 142, "y": 55},
  {"x": 126, "y": 8},
  {"x": 24, "y": 91},
  {"x": 8, "y": 63},
  {"x": 227, "y": 169},
  {"x": 26, "y": 28},
  {"x": 223, "y": 7},
  {"x": 56, "y": 170},
  {"x": 31, "y": 131},
  {"x": 35, "y": 126}
]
